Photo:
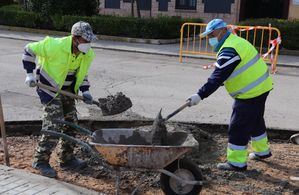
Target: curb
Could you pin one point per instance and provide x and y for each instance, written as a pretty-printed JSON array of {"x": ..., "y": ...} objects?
[
  {"x": 289, "y": 52},
  {"x": 123, "y": 39},
  {"x": 138, "y": 40},
  {"x": 177, "y": 55},
  {"x": 32, "y": 127},
  {"x": 100, "y": 37},
  {"x": 36, "y": 184}
]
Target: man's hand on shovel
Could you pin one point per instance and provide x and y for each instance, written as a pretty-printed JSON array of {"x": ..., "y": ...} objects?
[
  {"x": 87, "y": 98},
  {"x": 193, "y": 100}
]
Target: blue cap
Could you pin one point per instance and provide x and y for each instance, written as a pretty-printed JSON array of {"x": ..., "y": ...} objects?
[{"x": 213, "y": 25}]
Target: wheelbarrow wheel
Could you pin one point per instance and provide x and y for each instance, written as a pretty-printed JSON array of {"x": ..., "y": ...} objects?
[{"x": 184, "y": 169}]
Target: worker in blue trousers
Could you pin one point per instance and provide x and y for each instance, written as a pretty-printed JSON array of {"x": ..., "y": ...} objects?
[{"x": 246, "y": 78}]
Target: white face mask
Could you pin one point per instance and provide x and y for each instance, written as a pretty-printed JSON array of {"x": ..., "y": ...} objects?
[{"x": 84, "y": 47}]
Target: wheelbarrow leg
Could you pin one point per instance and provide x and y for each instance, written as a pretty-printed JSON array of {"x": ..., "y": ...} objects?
[{"x": 117, "y": 175}]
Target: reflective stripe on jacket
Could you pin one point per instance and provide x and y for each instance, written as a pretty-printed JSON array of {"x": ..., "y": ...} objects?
[
  {"x": 54, "y": 58},
  {"x": 251, "y": 77}
]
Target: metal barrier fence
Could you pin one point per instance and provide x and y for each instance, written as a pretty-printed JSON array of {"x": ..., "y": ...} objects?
[{"x": 266, "y": 39}]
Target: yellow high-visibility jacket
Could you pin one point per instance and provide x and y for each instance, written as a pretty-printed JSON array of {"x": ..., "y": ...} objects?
[
  {"x": 54, "y": 58},
  {"x": 251, "y": 77}
]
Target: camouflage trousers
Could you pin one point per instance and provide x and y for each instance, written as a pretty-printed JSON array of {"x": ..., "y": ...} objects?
[{"x": 60, "y": 108}]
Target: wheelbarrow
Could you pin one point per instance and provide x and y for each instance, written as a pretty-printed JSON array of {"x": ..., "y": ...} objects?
[{"x": 130, "y": 149}]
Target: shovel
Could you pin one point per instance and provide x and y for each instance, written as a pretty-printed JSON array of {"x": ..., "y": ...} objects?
[
  {"x": 159, "y": 130},
  {"x": 66, "y": 93},
  {"x": 109, "y": 106},
  {"x": 182, "y": 107}
]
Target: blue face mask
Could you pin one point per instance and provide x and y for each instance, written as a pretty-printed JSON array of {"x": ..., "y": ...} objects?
[{"x": 213, "y": 41}]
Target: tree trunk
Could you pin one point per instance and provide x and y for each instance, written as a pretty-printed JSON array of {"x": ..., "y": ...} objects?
[
  {"x": 132, "y": 8},
  {"x": 138, "y": 8}
]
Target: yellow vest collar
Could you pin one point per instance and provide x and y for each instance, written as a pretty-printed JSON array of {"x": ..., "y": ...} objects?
[{"x": 68, "y": 44}]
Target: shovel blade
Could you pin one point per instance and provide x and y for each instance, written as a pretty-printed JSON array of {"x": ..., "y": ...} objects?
[
  {"x": 158, "y": 118},
  {"x": 159, "y": 131}
]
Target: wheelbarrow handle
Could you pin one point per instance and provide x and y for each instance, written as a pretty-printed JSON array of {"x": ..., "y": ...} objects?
[
  {"x": 182, "y": 107},
  {"x": 85, "y": 145},
  {"x": 66, "y": 93},
  {"x": 75, "y": 126}
]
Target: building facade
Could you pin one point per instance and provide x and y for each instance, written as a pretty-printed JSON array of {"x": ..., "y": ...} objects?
[
  {"x": 231, "y": 11},
  {"x": 294, "y": 10}
]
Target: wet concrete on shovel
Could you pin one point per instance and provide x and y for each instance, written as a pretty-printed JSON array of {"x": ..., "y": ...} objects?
[{"x": 115, "y": 104}]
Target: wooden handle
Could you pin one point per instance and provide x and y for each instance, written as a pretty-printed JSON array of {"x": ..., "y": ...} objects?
[
  {"x": 3, "y": 133},
  {"x": 178, "y": 110},
  {"x": 66, "y": 93},
  {"x": 69, "y": 94}
]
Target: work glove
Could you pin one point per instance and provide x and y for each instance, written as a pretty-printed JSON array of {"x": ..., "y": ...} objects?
[
  {"x": 30, "y": 80},
  {"x": 194, "y": 99},
  {"x": 87, "y": 98}
]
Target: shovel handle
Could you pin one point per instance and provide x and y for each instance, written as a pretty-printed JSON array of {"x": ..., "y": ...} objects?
[
  {"x": 66, "y": 93},
  {"x": 178, "y": 110}
]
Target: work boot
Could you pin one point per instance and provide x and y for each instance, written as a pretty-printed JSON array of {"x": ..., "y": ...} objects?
[
  {"x": 74, "y": 163},
  {"x": 45, "y": 169},
  {"x": 228, "y": 167},
  {"x": 253, "y": 156}
]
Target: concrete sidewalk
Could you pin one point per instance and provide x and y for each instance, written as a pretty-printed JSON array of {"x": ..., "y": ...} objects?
[
  {"x": 165, "y": 49},
  {"x": 16, "y": 181}
]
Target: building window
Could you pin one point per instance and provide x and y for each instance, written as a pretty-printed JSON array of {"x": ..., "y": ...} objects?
[
  {"x": 216, "y": 6},
  {"x": 114, "y": 4},
  {"x": 163, "y": 5},
  {"x": 145, "y": 4},
  {"x": 186, "y": 4}
]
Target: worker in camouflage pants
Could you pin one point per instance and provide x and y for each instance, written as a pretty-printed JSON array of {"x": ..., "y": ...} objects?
[
  {"x": 63, "y": 63},
  {"x": 62, "y": 107}
]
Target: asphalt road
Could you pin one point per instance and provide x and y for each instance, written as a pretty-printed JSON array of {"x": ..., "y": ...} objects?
[{"x": 152, "y": 82}]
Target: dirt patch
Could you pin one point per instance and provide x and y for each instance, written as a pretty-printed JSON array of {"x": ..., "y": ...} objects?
[
  {"x": 267, "y": 177},
  {"x": 115, "y": 104}
]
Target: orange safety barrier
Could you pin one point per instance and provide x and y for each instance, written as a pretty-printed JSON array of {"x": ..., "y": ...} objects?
[{"x": 266, "y": 39}]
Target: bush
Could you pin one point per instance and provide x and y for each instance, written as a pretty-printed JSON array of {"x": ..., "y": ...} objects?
[
  {"x": 151, "y": 28},
  {"x": 289, "y": 30},
  {"x": 5, "y": 2},
  {"x": 12, "y": 7},
  {"x": 23, "y": 19},
  {"x": 68, "y": 7}
]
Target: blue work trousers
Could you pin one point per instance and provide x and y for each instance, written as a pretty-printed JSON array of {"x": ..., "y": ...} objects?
[{"x": 247, "y": 120}]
